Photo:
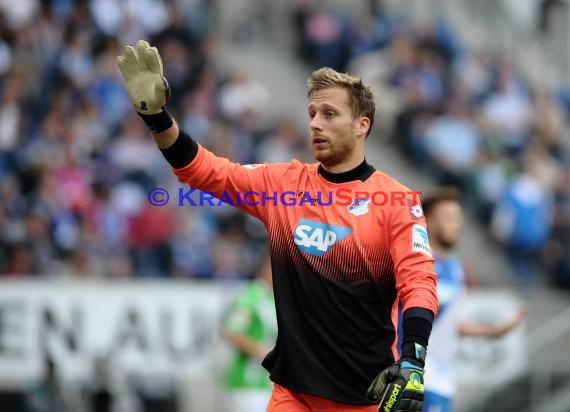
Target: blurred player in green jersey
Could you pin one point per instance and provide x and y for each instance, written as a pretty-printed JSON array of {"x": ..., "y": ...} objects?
[{"x": 250, "y": 326}]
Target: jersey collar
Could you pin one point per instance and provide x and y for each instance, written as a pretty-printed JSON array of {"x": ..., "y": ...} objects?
[{"x": 361, "y": 172}]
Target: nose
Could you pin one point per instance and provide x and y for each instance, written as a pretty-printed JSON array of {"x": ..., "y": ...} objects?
[{"x": 316, "y": 124}]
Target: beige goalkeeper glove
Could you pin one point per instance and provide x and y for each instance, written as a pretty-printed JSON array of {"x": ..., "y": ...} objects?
[{"x": 148, "y": 90}]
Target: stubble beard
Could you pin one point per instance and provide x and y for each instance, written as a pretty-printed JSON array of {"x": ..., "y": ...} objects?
[{"x": 339, "y": 151}]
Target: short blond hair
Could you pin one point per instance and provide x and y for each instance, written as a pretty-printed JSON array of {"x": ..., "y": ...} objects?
[{"x": 361, "y": 98}]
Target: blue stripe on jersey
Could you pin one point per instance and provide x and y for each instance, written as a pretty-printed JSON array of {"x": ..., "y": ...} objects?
[{"x": 449, "y": 271}]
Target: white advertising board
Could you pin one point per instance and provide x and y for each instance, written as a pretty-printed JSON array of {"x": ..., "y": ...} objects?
[{"x": 156, "y": 325}]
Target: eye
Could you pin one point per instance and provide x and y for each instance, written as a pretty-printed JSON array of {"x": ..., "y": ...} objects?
[
  {"x": 330, "y": 114},
  {"x": 311, "y": 114}
]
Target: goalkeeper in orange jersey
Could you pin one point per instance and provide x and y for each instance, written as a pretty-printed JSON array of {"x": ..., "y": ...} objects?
[{"x": 338, "y": 271}]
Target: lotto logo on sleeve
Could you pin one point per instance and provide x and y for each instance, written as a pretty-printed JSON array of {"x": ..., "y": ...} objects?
[
  {"x": 416, "y": 211},
  {"x": 316, "y": 238},
  {"x": 420, "y": 241}
]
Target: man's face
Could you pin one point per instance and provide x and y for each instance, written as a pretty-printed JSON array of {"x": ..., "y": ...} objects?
[
  {"x": 446, "y": 223},
  {"x": 334, "y": 130}
]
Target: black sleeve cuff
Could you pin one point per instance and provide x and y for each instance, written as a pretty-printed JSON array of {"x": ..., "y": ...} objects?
[
  {"x": 158, "y": 122},
  {"x": 182, "y": 151},
  {"x": 417, "y": 325}
]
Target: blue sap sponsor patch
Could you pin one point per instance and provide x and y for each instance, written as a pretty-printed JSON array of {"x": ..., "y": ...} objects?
[{"x": 316, "y": 238}]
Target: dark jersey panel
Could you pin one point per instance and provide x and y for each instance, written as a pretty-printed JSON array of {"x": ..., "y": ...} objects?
[{"x": 335, "y": 330}]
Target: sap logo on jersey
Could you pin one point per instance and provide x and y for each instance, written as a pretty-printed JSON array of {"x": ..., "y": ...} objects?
[
  {"x": 420, "y": 241},
  {"x": 316, "y": 238}
]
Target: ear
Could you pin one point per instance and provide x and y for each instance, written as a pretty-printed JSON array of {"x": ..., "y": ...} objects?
[{"x": 363, "y": 125}]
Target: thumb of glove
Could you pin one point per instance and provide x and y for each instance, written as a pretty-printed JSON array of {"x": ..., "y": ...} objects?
[{"x": 380, "y": 384}]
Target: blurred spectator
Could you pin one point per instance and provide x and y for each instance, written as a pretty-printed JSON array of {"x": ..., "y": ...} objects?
[
  {"x": 120, "y": 265},
  {"x": 242, "y": 97},
  {"x": 472, "y": 76},
  {"x": 452, "y": 142},
  {"x": 18, "y": 15},
  {"x": 193, "y": 255},
  {"x": 196, "y": 116},
  {"x": 133, "y": 18},
  {"x": 300, "y": 13},
  {"x": 549, "y": 126},
  {"x": 151, "y": 231},
  {"x": 106, "y": 89},
  {"x": 506, "y": 114},
  {"x": 285, "y": 144},
  {"x": 322, "y": 36},
  {"x": 20, "y": 261},
  {"x": 11, "y": 118},
  {"x": 134, "y": 155},
  {"x": 489, "y": 181},
  {"x": 556, "y": 254},
  {"x": 233, "y": 259},
  {"x": 522, "y": 222}
]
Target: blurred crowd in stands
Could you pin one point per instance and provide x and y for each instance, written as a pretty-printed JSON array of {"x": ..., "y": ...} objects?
[{"x": 76, "y": 163}]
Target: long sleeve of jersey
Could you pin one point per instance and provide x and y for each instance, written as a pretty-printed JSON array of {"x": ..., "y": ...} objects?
[
  {"x": 247, "y": 187},
  {"x": 412, "y": 257}
]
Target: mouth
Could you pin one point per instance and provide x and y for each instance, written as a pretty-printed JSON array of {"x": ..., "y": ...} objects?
[{"x": 318, "y": 140}]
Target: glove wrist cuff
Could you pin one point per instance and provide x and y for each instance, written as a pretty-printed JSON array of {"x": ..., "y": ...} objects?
[
  {"x": 158, "y": 122},
  {"x": 413, "y": 351}
]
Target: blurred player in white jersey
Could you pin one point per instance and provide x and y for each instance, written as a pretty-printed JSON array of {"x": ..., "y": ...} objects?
[{"x": 445, "y": 222}]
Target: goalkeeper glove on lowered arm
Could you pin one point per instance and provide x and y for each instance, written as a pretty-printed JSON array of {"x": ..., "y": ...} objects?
[
  {"x": 147, "y": 88},
  {"x": 400, "y": 387}
]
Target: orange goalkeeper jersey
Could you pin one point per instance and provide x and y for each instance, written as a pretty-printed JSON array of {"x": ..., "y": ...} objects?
[{"x": 339, "y": 267}]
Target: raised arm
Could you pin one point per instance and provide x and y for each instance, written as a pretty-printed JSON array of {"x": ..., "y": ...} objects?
[{"x": 142, "y": 71}]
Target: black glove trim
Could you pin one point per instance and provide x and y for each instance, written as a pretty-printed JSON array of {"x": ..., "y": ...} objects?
[{"x": 158, "y": 122}]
